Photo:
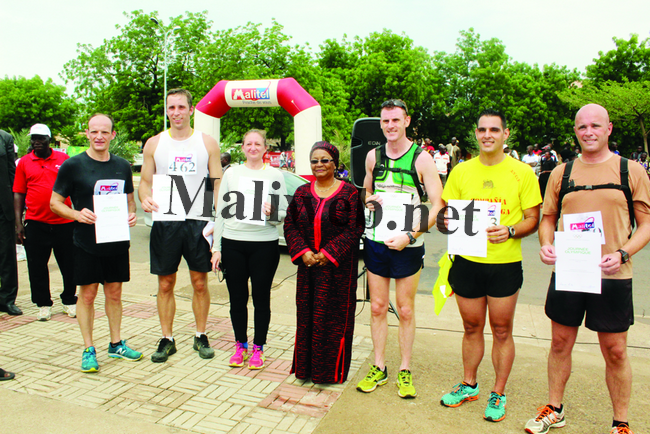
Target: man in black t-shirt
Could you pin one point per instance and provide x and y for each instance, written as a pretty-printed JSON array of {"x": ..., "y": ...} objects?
[{"x": 93, "y": 173}]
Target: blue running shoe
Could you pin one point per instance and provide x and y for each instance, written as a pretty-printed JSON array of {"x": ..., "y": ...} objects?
[
  {"x": 89, "y": 360},
  {"x": 123, "y": 352},
  {"x": 462, "y": 393},
  {"x": 496, "y": 407}
]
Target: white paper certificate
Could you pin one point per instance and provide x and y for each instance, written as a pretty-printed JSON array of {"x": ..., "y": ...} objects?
[
  {"x": 161, "y": 187},
  {"x": 578, "y": 256},
  {"x": 112, "y": 222},
  {"x": 393, "y": 213},
  {"x": 471, "y": 241},
  {"x": 255, "y": 192}
]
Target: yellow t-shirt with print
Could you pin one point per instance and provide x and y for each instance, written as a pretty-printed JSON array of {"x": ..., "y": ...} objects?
[{"x": 512, "y": 183}]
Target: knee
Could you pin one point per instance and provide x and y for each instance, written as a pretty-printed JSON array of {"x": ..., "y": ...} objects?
[
  {"x": 501, "y": 332},
  {"x": 561, "y": 345},
  {"x": 379, "y": 308},
  {"x": 200, "y": 286},
  {"x": 473, "y": 327},
  {"x": 406, "y": 313},
  {"x": 615, "y": 354},
  {"x": 113, "y": 294},
  {"x": 87, "y": 297},
  {"x": 166, "y": 285}
]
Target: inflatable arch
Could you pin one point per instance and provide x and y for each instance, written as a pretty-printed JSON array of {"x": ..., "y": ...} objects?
[{"x": 284, "y": 92}]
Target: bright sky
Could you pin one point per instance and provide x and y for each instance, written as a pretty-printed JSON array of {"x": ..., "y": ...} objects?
[{"x": 39, "y": 36}]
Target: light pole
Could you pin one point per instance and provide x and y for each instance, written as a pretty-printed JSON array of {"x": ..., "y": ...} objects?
[{"x": 165, "y": 64}]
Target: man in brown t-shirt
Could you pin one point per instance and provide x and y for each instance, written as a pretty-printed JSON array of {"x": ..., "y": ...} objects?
[{"x": 609, "y": 313}]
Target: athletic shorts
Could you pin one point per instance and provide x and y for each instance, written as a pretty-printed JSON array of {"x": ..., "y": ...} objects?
[
  {"x": 611, "y": 311},
  {"x": 170, "y": 241},
  {"x": 471, "y": 279},
  {"x": 89, "y": 268},
  {"x": 395, "y": 264}
]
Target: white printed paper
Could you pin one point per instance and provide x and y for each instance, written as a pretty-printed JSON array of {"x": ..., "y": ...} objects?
[
  {"x": 471, "y": 241},
  {"x": 112, "y": 222},
  {"x": 585, "y": 222},
  {"x": 161, "y": 187},
  {"x": 255, "y": 192},
  {"x": 578, "y": 256},
  {"x": 393, "y": 212}
]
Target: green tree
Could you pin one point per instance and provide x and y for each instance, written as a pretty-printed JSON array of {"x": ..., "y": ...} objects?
[
  {"x": 25, "y": 102},
  {"x": 124, "y": 75},
  {"x": 481, "y": 75},
  {"x": 379, "y": 67},
  {"x": 624, "y": 101},
  {"x": 630, "y": 61}
]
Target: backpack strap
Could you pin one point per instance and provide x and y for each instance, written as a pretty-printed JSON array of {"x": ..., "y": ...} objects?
[
  {"x": 564, "y": 188},
  {"x": 625, "y": 183}
]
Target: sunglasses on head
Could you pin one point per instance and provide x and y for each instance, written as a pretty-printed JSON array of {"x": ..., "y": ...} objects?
[
  {"x": 322, "y": 161},
  {"x": 395, "y": 103}
]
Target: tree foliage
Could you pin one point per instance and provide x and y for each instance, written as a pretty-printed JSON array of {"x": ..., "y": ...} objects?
[
  {"x": 25, "y": 102},
  {"x": 625, "y": 102},
  {"x": 124, "y": 75},
  {"x": 630, "y": 61}
]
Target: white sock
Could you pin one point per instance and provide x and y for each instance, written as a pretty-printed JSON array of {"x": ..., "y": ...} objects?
[{"x": 199, "y": 334}]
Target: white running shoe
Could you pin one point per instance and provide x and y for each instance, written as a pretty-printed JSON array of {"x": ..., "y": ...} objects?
[
  {"x": 70, "y": 309},
  {"x": 44, "y": 313}
]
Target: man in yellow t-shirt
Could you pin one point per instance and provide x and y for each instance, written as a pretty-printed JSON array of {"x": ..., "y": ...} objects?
[{"x": 491, "y": 283}]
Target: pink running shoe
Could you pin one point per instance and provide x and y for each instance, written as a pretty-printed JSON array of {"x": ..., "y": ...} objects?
[
  {"x": 257, "y": 359},
  {"x": 241, "y": 355}
]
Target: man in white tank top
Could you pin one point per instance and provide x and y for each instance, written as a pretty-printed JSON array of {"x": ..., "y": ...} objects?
[{"x": 190, "y": 156}]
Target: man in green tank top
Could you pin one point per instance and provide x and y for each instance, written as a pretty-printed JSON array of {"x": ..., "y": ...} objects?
[{"x": 397, "y": 254}]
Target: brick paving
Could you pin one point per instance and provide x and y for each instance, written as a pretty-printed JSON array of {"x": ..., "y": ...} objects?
[{"x": 187, "y": 392}]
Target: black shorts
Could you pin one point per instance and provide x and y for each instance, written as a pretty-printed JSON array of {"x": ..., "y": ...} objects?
[
  {"x": 471, "y": 279},
  {"x": 395, "y": 264},
  {"x": 611, "y": 311},
  {"x": 89, "y": 268},
  {"x": 172, "y": 240}
]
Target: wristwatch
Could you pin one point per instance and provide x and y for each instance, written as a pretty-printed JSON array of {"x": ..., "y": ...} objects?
[
  {"x": 411, "y": 238},
  {"x": 624, "y": 256},
  {"x": 511, "y": 232}
]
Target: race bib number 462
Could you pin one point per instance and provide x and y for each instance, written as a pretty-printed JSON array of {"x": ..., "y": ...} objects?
[{"x": 182, "y": 164}]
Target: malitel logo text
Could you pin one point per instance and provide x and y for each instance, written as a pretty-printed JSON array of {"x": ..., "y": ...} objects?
[
  {"x": 108, "y": 188},
  {"x": 251, "y": 94}
]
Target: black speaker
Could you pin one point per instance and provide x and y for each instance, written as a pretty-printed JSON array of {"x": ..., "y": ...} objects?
[{"x": 366, "y": 135}]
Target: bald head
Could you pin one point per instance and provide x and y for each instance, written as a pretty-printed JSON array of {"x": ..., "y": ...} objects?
[
  {"x": 593, "y": 110},
  {"x": 592, "y": 128}
]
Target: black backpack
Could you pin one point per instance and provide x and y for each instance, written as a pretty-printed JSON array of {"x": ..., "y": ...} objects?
[
  {"x": 381, "y": 165},
  {"x": 568, "y": 186}
]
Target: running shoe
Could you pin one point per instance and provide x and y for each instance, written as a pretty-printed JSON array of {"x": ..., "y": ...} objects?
[
  {"x": 405, "y": 386},
  {"x": 546, "y": 419},
  {"x": 241, "y": 355},
  {"x": 166, "y": 348},
  {"x": 70, "y": 309},
  {"x": 123, "y": 352},
  {"x": 622, "y": 428},
  {"x": 376, "y": 377},
  {"x": 89, "y": 360},
  {"x": 44, "y": 313},
  {"x": 203, "y": 347},
  {"x": 257, "y": 358},
  {"x": 462, "y": 393},
  {"x": 496, "y": 407}
]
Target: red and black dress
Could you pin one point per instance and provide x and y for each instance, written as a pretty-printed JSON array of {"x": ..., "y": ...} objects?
[{"x": 325, "y": 295}]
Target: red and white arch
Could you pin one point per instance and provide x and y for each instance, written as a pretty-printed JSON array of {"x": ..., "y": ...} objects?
[{"x": 284, "y": 92}]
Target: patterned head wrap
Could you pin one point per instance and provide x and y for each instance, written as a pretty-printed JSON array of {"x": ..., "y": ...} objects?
[{"x": 330, "y": 149}]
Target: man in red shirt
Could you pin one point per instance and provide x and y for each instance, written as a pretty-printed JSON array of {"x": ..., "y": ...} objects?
[{"x": 43, "y": 231}]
